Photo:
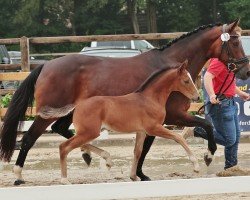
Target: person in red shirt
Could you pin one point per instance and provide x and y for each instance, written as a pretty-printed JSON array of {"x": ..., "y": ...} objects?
[{"x": 222, "y": 110}]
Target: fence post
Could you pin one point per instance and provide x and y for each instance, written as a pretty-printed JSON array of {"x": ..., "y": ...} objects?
[{"x": 24, "y": 47}]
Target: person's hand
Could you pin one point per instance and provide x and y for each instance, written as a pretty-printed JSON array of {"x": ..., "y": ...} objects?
[
  {"x": 213, "y": 99},
  {"x": 245, "y": 96}
]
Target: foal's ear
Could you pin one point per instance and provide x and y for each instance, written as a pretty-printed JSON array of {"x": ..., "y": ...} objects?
[
  {"x": 182, "y": 67},
  {"x": 232, "y": 26}
]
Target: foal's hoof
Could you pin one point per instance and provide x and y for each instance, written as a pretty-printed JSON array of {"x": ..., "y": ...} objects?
[
  {"x": 87, "y": 158},
  {"x": 65, "y": 181},
  {"x": 197, "y": 168},
  {"x": 19, "y": 182},
  {"x": 207, "y": 159},
  {"x": 109, "y": 163},
  {"x": 134, "y": 178}
]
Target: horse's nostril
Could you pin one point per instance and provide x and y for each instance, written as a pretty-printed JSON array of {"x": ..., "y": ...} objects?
[{"x": 248, "y": 73}]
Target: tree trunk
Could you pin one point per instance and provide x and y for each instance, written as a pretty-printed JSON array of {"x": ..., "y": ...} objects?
[
  {"x": 131, "y": 4},
  {"x": 151, "y": 19}
]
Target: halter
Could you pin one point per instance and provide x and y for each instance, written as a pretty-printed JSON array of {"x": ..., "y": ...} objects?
[{"x": 233, "y": 64}]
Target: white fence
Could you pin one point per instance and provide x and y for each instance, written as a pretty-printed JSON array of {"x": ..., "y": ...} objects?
[{"x": 165, "y": 188}]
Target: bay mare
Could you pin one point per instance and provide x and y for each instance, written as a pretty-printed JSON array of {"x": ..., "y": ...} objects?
[
  {"x": 142, "y": 112},
  {"x": 61, "y": 83}
]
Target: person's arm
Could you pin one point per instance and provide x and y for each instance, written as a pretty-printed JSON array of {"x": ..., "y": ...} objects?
[
  {"x": 243, "y": 95},
  {"x": 208, "y": 83}
]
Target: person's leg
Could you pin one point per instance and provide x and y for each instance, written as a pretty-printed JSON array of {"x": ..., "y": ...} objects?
[
  {"x": 226, "y": 129},
  {"x": 234, "y": 148}
]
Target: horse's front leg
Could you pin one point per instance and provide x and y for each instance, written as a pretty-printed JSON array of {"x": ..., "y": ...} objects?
[{"x": 191, "y": 121}]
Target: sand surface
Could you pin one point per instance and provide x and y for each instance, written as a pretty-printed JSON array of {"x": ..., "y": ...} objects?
[{"x": 164, "y": 161}]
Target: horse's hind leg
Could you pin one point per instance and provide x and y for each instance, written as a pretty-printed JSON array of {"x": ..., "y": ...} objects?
[
  {"x": 140, "y": 137},
  {"x": 160, "y": 131},
  {"x": 104, "y": 154},
  {"x": 28, "y": 140},
  {"x": 61, "y": 126}
]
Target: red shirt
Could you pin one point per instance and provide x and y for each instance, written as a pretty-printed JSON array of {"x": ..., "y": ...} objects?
[{"x": 220, "y": 71}]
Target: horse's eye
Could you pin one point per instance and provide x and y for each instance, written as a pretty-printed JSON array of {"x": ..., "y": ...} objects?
[
  {"x": 186, "y": 82},
  {"x": 236, "y": 43}
]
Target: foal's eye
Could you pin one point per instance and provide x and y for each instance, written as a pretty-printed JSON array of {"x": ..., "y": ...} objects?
[{"x": 186, "y": 82}]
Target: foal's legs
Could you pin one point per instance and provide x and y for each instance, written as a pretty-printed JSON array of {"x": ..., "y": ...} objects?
[
  {"x": 160, "y": 131},
  {"x": 140, "y": 137},
  {"x": 104, "y": 154},
  {"x": 68, "y": 146},
  {"x": 28, "y": 140},
  {"x": 61, "y": 126},
  {"x": 184, "y": 119}
]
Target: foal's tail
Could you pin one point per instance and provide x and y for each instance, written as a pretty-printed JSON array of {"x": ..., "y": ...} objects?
[{"x": 22, "y": 98}]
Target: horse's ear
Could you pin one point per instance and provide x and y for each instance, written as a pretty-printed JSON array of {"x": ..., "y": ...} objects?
[
  {"x": 183, "y": 66},
  {"x": 232, "y": 26}
]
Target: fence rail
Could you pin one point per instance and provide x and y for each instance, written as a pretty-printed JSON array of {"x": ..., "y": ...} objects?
[{"x": 25, "y": 42}]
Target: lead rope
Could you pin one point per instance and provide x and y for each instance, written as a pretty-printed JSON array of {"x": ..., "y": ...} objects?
[{"x": 219, "y": 93}]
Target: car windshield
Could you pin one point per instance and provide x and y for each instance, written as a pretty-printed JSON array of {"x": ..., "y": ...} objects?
[
  {"x": 125, "y": 44},
  {"x": 111, "y": 53},
  {"x": 246, "y": 45}
]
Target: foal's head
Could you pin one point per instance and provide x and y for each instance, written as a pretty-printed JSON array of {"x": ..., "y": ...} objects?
[{"x": 184, "y": 83}]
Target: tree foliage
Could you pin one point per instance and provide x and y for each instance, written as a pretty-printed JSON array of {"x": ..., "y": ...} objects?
[{"x": 84, "y": 17}]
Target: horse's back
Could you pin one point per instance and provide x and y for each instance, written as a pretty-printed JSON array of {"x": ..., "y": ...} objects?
[{"x": 66, "y": 79}]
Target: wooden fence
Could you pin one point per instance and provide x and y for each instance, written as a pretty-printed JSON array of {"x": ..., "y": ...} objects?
[{"x": 25, "y": 42}]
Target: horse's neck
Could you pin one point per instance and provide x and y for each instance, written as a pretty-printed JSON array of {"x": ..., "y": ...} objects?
[
  {"x": 160, "y": 89},
  {"x": 195, "y": 48}
]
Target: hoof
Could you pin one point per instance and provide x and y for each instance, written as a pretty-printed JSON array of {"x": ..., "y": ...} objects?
[
  {"x": 87, "y": 158},
  {"x": 19, "y": 182},
  {"x": 197, "y": 169},
  {"x": 134, "y": 178},
  {"x": 65, "y": 181},
  {"x": 145, "y": 178},
  {"x": 109, "y": 163},
  {"x": 207, "y": 159},
  {"x": 142, "y": 176}
]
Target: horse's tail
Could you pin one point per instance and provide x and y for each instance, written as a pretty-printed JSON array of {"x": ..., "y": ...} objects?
[{"x": 22, "y": 98}]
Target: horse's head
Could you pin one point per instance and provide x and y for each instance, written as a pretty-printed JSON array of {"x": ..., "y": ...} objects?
[
  {"x": 185, "y": 84},
  {"x": 229, "y": 50}
]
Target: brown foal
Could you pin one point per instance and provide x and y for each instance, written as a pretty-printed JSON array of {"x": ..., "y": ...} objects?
[{"x": 142, "y": 111}]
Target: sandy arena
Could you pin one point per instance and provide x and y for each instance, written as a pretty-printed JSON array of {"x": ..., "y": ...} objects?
[{"x": 166, "y": 160}]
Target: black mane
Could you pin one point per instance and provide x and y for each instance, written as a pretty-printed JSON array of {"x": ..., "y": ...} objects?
[
  {"x": 150, "y": 79},
  {"x": 187, "y": 35}
]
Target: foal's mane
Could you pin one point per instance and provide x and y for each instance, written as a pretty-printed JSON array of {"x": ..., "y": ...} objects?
[
  {"x": 151, "y": 79},
  {"x": 203, "y": 27}
]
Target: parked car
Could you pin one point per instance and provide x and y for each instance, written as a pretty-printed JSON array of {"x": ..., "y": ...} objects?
[
  {"x": 5, "y": 59},
  {"x": 246, "y": 44},
  {"x": 142, "y": 45},
  {"x": 4, "y": 55},
  {"x": 110, "y": 52},
  {"x": 15, "y": 57}
]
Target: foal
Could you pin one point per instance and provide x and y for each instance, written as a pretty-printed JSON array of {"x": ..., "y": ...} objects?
[{"x": 142, "y": 112}]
